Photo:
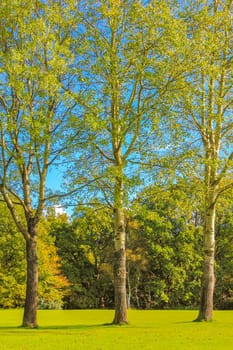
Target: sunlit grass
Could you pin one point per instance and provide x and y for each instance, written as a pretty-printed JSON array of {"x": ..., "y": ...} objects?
[{"x": 87, "y": 330}]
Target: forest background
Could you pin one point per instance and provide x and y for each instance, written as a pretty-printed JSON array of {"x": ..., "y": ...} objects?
[{"x": 164, "y": 255}]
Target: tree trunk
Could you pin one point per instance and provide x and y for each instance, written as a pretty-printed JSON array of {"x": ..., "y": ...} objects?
[
  {"x": 30, "y": 309},
  {"x": 208, "y": 278},
  {"x": 137, "y": 297},
  {"x": 129, "y": 289},
  {"x": 120, "y": 269}
]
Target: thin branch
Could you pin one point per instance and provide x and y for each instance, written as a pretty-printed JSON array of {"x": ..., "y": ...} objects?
[
  {"x": 227, "y": 128},
  {"x": 106, "y": 197},
  {"x": 138, "y": 125},
  {"x": 104, "y": 154},
  {"x": 224, "y": 170},
  {"x": 3, "y": 103},
  {"x": 198, "y": 125},
  {"x": 20, "y": 201},
  {"x": 224, "y": 188},
  {"x": 131, "y": 98},
  {"x": 15, "y": 216},
  {"x": 63, "y": 195}
]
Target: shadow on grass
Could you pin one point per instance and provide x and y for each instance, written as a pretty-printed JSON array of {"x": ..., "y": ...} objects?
[
  {"x": 74, "y": 327},
  {"x": 197, "y": 322},
  {"x": 57, "y": 327},
  {"x": 185, "y": 322}
]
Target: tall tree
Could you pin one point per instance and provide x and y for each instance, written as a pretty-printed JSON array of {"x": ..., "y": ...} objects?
[
  {"x": 116, "y": 70},
  {"x": 33, "y": 61},
  {"x": 207, "y": 108}
]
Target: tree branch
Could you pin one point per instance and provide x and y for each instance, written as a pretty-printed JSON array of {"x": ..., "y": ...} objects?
[
  {"x": 224, "y": 170},
  {"x": 63, "y": 195},
  {"x": 104, "y": 154}
]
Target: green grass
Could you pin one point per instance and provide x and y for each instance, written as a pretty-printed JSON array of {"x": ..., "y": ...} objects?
[{"x": 85, "y": 330}]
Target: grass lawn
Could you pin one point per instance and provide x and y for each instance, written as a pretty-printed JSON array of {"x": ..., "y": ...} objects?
[{"x": 85, "y": 330}]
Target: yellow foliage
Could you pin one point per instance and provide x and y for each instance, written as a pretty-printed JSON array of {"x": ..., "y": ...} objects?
[
  {"x": 51, "y": 280},
  {"x": 134, "y": 224},
  {"x": 112, "y": 9}
]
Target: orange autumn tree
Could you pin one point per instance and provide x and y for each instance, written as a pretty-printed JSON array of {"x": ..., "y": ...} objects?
[{"x": 52, "y": 284}]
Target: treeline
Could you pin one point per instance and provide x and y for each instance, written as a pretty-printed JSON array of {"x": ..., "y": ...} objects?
[{"x": 164, "y": 254}]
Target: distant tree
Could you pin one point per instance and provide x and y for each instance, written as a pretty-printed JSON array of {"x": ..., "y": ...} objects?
[
  {"x": 163, "y": 247},
  {"x": 224, "y": 254},
  {"x": 12, "y": 262},
  {"x": 168, "y": 240},
  {"x": 85, "y": 249},
  {"x": 53, "y": 284}
]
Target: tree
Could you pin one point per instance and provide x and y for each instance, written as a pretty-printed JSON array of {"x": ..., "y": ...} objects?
[
  {"x": 224, "y": 260},
  {"x": 34, "y": 60},
  {"x": 53, "y": 284},
  {"x": 206, "y": 112},
  {"x": 13, "y": 266},
  {"x": 169, "y": 240},
  {"x": 85, "y": 249},
  {"x": 122, "y": 41},
  {"x": 12, "y": 262}
]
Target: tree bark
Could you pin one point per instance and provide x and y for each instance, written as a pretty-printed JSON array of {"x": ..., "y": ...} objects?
[
  {"x": 121, "y": 316},
  {"x": 129, "y": 289},
  {"x": 208, "y": 277},
  {"x": 30, "y": 309}
]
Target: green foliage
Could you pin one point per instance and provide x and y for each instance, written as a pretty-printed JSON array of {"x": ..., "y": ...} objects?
[
  {"x": 12, "y": 262},
  {"x": 35, "y": 112},
  {"x": 13, "y": 266},
  {"x": 171, "y": 243},
  {"x": 53, "y": 285},
  {"x": 164, "y": 254},
  {"x": 164, "y": 251},
  {"x": 224, "y": 260},
  {"x": 83, "y": 248}
]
